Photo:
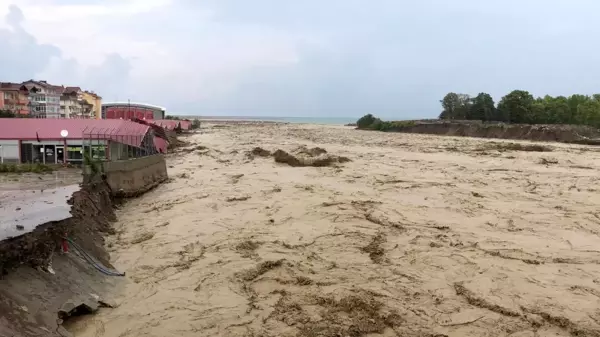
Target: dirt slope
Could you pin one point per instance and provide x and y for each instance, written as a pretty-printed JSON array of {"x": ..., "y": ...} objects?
[
  {"x": 555, "y": 133},
  {"x": 415, "y": 236},
  {"x": 37, "y": 278}
]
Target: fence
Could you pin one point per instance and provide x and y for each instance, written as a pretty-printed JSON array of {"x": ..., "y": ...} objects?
[{"x": 117, "y": 144}]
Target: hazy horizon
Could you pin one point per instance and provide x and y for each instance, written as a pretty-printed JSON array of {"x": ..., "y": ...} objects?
[{"x": 394, "y": 59}]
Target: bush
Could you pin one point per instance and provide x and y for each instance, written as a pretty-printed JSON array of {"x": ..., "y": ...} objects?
[
  {"x": 24, "y": 168},
  {"x": 370, "y": 122},
  {"x": 195, "y": 124},
  {"x": 366, "y": 121}
]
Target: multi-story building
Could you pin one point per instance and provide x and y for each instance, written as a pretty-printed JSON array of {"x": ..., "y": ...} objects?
[
  {"x": 73, "y": 104},
  {"x": 96, "y": 101},
  {"x": 14, "y": 98},
  {"x": 44, "y": 99}
]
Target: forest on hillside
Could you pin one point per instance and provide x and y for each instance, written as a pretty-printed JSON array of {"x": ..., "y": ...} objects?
[{"x": 520, "y": 106}]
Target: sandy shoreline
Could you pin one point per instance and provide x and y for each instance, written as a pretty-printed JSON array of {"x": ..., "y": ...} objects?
[{"x": 417, "y": 236}]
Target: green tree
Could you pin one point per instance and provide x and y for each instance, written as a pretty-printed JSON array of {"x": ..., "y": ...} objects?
[
  {"x": 455, "y": 106},
  {"x": 537, "y": 113},
  {"x": 561, "y": 111},
  {"x": 482, "y": 107},
  {"x": 589, "y": 112},
  {"x": 450, "y": 105},
  {"x": 516, "y": 106},
  {"x": 574, "y": 102}
]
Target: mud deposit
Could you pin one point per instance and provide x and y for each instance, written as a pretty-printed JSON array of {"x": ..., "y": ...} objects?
[{"x": 414, "y": 236}]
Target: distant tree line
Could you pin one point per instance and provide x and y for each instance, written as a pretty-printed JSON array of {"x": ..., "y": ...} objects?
[{"x": 520, "y": 106}]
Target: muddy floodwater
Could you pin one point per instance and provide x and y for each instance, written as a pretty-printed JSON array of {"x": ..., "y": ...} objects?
[{"x": 414, "y": 236}]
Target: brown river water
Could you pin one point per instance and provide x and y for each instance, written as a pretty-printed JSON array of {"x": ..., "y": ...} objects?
[{"x": 415, "y": 236}]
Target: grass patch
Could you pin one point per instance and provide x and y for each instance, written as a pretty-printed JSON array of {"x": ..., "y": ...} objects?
[{"x": 26, "y": 168}]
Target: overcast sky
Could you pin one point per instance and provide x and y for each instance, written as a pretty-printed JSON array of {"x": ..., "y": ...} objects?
[{"x": 330, "y": 58}]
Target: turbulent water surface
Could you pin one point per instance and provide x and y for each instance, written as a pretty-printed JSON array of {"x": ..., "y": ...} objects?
[{"x": 416, "y": 236}]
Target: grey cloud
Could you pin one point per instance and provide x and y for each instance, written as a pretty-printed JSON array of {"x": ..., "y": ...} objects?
[
  {"x": 398, "y": 58},
  {"x": 15, "y": 17},
  {"x": 388, "y": 57},
  {"x": 23, "y": 58},
  {"x": 112, "y": 76}
]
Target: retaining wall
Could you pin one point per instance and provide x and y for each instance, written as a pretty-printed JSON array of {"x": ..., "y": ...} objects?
[{"x": 132, "y": 177}]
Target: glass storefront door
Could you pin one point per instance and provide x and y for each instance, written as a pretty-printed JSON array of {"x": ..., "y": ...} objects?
[
  {"x": 49, "y": 154},
  {"x": 60, "y": 154}
]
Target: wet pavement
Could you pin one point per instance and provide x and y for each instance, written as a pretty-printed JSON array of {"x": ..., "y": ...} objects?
[{"x": 21, "y": 211}]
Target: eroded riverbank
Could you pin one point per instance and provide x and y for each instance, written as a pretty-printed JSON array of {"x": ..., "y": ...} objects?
[{"x": 417, "y": 236}]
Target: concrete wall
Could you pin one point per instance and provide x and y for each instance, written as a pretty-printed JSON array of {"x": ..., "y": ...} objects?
[{"x": 133, "y": 176}]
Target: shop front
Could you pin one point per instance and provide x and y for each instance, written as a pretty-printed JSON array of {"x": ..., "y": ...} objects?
[{"x": 72, "y": 152}]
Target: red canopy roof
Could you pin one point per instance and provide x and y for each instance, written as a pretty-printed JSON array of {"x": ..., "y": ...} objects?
[
  {"x": 172, "y": 124},
  {"x": 123, "y": 131}
]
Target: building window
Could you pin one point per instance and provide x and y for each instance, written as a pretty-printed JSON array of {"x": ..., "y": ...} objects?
[{"x": 75, "y": 153}]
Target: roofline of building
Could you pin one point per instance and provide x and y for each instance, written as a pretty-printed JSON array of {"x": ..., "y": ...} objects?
[{"x": 139, "y": 105}]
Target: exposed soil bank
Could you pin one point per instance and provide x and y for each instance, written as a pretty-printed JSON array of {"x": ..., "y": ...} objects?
[
  {"x": 38, "y": 278},
  {"x": 555, "y": 133}
]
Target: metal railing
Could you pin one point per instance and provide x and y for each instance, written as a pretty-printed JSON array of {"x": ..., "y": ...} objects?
[{"x": 101, "y": 144}]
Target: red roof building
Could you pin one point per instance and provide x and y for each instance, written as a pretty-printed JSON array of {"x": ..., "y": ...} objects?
[
  {"x": 50, "y": 129},
  {"x": 23, "y": 139}
]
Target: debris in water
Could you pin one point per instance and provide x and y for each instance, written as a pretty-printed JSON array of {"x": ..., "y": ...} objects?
[
  {"x": 77, "y": 308},
  {"x": 303, "y": 161},
  {"x": 247, "y": 248},
  {"x": 548, "y": 161},
  {"x": 376, "y": 252},
  {"x": 236, "y": 178},
  {"x": 260, "y": 269},
  {"x": 142, "y": 237},
  {"x": 260, "y": 152},
  {"x": 20, "y": 227},
  {"x": 238, "y": 198},
  {"x": 313, "y": 152},
  {"x": 503, "y": 146}
]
